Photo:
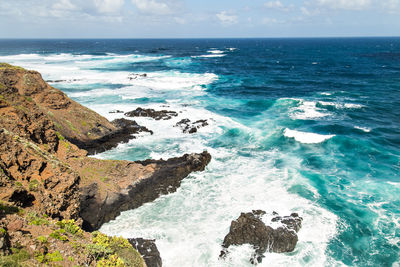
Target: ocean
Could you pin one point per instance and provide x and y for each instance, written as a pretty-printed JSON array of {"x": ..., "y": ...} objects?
[{"x": 295, "y": 125}]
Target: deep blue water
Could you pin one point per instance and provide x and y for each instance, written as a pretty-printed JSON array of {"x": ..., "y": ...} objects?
[{"x": 304, "y": 125}]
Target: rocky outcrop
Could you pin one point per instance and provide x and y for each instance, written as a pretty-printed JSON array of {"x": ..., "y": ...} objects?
[
  {"x": 137, "y": 183},
  {"x": 76, "y": 123},
  {"x": 32, "y": 175},
  {"x": 125, "y": 131},
  {"x": 48, "y": 182},
  {"x": 191, "y": 127},
  {"x": 250, "y": 229},
  {"x": 149, "y": 251},
  {"x": 157, "y": 115}
]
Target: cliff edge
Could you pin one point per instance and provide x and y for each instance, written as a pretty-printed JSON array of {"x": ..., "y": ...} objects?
[{"x": 50, "y": 189}]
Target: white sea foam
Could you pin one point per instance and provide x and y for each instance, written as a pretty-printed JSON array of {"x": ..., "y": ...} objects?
[
  {"x": 364, "y": 129},
  {"x": 207, "y": 56},
  {"x": 353, "y": 106},
  {"x": 174, "y": 80},
  {"x": 326, "y": 93},
  {"x": 195, "y": 219},
  {"x": 341, "y": 105},
  {"x": 216, "y": 51},
  {"x": 308, "y": 110},
  {"x": 305, "y": 137}
]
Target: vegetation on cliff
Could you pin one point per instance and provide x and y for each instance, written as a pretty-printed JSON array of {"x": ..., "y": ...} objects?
[
  {"x": 52, "y": 194},
  {"x": 40, "y": 220}
]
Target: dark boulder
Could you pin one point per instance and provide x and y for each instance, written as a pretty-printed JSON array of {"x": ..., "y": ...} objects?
[
  {"x": 250, "y": 229},
  {"x": 157, "y": 115},
  {"x": 191, "y": 127},
  {"x": 149, "y": 251}
]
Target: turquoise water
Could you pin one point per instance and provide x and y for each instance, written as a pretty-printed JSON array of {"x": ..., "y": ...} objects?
[{"x": 296, "y": 125}]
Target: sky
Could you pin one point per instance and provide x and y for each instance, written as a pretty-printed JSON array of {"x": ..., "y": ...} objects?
[{"x": 198, "y": 19}]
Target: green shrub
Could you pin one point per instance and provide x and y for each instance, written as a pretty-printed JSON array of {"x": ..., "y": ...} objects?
[
  {"x": 33, "y": 185},
  {"x": 114, "y": 242},
  {"x": 112, "y": 261},
  {"x": 60, "y": 137},
  {"x": 42, "y": 239},
  {"x": 49, "y": 257},
  {"x": 35, "y": 219},
  {"x": 59, "y": 234},
  {"x": 98, "y": 251},
  {"x": 114, "y": 251},
  {"x": 70, "y": 227},
  {"x": 16, "y": 259}
]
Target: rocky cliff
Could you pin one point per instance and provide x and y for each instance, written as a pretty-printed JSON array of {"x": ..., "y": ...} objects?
[{"x": 49, "y": 188}]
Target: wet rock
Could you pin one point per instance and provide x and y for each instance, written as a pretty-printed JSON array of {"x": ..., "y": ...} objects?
[
  {"x": 149, "y": 251},
  {"x": 250, "y": 229},
  {"x": 134, "y": 76},
  {"x": 191, "y": 127},
  {"x": 292, "y": 222},
  {"x": 157, "y": 115},
  {"x": 116, "y": 111}
]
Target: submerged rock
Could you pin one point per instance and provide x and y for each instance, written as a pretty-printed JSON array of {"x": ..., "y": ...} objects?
[
  {"x": 148, "y": 249},
  {"x": 157, "y": 115},
  {"x": 250, "y": 229},
  {"x": 115, "y": 111},
  {"x": 191, "y": 127},
  {"x": 134, "y": 76}
]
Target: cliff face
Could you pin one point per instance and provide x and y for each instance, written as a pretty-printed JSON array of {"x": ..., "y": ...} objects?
[
  {"x": 32, "y": 175},
  {"x": 74, "y": 121},
  {"x": 46, "y": 175},
  {"x": 127, "y": 185}
]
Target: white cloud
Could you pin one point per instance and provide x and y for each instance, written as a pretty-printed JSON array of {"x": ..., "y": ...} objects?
[
  {"x": 180, "y": 20},
  {"x": 278, "y": 5},
  {"x": 62, "y": 8},
  {"x": 64, "y": 5},
  {"x": 391, "y": 6},
  {"x": 108, "y": 6},
  {"x": 227, "y": 19},
  {"x": 269, "y": 21},
  {"x": 309, "y": 12},
  {"x": 346, "y": 4},
  {"x": 153, "y": 7}
]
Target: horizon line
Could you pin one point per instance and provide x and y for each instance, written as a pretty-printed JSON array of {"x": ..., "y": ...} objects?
[{"x": 193, "y": 38}]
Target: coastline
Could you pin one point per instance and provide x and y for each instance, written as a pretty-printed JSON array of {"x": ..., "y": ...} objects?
[{"x": 48, "y": 181}]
